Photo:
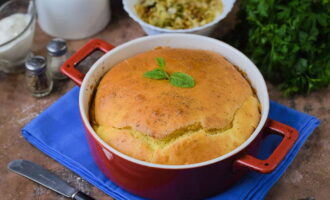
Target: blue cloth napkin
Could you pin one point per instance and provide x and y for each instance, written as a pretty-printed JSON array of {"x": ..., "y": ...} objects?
[{"x": 59, "y": 133}]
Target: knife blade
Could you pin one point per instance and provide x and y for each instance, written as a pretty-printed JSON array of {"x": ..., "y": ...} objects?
[{"x": 46, "y": 178}]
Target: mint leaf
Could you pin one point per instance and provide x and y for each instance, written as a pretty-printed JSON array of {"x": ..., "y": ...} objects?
[
  {"x": 160, "y": 62},
  {"x": 177, "y": 79},
  {"x": 156, "y": 74},
  {"x": 183, "y": 80}
]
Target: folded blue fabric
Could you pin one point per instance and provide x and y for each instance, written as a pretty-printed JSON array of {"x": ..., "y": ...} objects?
[{"x": 59, "y": 133}]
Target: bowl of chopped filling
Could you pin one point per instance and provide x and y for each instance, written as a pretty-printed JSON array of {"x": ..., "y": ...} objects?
[{"x": 178, "y": 16}]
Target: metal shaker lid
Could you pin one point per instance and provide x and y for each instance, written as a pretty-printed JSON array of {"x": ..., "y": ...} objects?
[
  {"x": 57, "y": 47},
  {"x": 36, "y": 63}
]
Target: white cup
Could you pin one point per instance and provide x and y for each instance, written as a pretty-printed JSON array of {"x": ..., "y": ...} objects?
[{"x": 73, "y": 19}]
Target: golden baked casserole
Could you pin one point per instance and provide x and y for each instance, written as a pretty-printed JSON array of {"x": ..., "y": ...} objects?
[{"x": 154, "y": 121}]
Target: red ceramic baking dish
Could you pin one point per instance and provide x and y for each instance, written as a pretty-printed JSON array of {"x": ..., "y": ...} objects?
[{"x": 193, "y": 181}]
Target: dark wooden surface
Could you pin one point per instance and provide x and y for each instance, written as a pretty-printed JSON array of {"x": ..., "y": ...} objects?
[{"x": 307, "y": 178}]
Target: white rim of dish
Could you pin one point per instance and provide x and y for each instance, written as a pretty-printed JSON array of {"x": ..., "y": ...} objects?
[
  {"x": 226, "y": 9},
  {"x": 265, "y": 107}
]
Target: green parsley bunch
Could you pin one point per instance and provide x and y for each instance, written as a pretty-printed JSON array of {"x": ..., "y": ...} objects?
[{"x": 288, "y": 40}]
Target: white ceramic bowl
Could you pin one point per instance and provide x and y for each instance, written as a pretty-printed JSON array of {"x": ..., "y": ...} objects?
[{"x": 206, "y": 29}]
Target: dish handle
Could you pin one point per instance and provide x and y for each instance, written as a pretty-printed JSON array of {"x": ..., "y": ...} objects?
[
  {"x": 69, "y": 67},
  {"x": 290, "y": 135}
]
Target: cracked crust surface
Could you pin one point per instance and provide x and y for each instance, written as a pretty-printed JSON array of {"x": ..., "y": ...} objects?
[{"x": 154, "y": 121}]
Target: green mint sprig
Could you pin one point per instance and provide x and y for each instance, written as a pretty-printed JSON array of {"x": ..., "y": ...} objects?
[{"x": 177, "y": 79}]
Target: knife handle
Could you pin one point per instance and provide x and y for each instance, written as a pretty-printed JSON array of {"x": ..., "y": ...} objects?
[{"x": 81, "y": 196}]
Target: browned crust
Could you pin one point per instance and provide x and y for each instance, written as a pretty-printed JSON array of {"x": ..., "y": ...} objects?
[{"x": 154, "y": 121}]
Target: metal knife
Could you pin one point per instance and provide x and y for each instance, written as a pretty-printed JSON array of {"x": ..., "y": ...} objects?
[{"x": 46, "y": 178}]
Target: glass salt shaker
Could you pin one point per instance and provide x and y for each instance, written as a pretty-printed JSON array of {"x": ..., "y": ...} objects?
[
  {"x": 57, "y": 55},
  {"x": 37, "y": 79}
]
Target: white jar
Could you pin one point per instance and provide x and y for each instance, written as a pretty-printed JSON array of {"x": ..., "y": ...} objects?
[{"x": 73, "y": 19}]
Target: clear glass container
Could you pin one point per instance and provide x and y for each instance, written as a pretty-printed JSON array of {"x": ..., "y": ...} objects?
[
  {"x": 17, "y": 26},
  {"x": 38, "y": 81},
  {"x": 57, "y": 55}
]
